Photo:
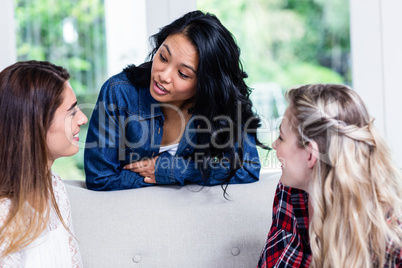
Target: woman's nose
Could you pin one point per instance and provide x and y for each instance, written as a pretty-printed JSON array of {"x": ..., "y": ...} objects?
[
  {"x": 82, "y": 119},
  {"x": 275, "y": 144},
  {"x": 165, "y": 75}
]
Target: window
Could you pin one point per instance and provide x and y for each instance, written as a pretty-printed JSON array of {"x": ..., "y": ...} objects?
[
  {"x": 70, "y": 34},
  {"x": 285, "y": 43}
]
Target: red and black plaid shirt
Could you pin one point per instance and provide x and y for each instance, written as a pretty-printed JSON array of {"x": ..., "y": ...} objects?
[{"x": 287, "y": 244}]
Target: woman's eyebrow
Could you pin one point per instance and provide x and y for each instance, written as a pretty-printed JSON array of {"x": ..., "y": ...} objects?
[
  {"x": 72, "y": 106},
  {"x": 189, "y": 67},
  {"x": 185, "y": 65},
  {"x": 167, "y": 48},
  {"x": 280, "y": 129}
]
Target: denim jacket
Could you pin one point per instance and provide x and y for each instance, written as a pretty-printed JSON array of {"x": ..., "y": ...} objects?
[{"x": 127, "y": 126}]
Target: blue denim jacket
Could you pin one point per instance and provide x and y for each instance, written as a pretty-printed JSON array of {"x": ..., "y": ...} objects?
[{"x": 127, "y": 126}]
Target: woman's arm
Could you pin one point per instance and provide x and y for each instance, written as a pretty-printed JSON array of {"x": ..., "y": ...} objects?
[
  {"x": 178, "y": 170},
  {"x": 105, "y": 145}
]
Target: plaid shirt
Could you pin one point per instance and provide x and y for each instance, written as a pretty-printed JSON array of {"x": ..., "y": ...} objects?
[
  {"x": 287, "y": 244},
  {"x": 392, "y": 259},
  {"x": 393, "y": 256}
]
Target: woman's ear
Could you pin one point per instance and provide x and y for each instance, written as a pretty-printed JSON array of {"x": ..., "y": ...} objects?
[{"x": 313, "y": 153}]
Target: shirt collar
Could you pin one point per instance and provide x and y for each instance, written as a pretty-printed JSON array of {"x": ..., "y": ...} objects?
[{"x": 148, "y": 106}]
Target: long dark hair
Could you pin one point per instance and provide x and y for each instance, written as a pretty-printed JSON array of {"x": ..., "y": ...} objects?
[
  {"x": 222, "y": 95},
  {"x": 30, "y": 93}
]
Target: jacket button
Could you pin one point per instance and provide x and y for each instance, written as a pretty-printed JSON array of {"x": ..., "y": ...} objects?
[
  {"x": 159, "y": 130},
  {"x": 136, "y": 258}
]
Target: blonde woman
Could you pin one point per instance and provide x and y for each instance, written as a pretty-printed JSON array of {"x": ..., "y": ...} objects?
[
  {"x": 352, "y": 209},
  {"x": 39, "y": 122}
]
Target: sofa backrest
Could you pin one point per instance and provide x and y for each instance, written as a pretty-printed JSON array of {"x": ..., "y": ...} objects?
[{"x": 171, "y": 226}]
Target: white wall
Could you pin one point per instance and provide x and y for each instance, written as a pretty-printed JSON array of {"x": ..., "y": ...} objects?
[
  {"x": 126, "y": 38},
  {"x": 8, "y": 49},
  {"x": 376, "y": 42},
  {"x": 162, "y": 12}
]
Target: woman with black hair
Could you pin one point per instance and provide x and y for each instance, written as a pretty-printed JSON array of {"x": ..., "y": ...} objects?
[{"x": 182, "y": 117}]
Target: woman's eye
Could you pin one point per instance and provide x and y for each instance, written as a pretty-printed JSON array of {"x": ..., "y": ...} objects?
[
  {"x": 183, "y": 75},
  {"x": 74, "y": 112},
  {"x": 162, "y": 58},
  {"x": 280, "y": 138}
]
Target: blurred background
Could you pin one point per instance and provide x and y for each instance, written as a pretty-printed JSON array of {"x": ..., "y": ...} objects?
[{"x": 283, "y": 43}]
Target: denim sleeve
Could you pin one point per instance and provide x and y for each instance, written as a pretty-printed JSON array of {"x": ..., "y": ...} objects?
[
  {"x": 178, "y": 170},
  {"x": 103, "y": 169}
]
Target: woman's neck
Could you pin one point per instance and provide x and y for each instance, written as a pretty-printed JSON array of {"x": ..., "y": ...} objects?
[
  {"x": 310, "y": 209},
  {"x": 174, "y": 124},
  {"x": 50, "y": 164},
  {"x": 174, "y": 112}
]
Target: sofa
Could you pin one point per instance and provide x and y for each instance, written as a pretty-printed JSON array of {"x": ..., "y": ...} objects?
[{"x": 173, "y": 226}]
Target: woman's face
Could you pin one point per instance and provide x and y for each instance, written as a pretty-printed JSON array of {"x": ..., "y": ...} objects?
[
  {"x": 294, "y": 159},
  {"x": 62, "y": 136},
  {"x": 174, "y": 71}
]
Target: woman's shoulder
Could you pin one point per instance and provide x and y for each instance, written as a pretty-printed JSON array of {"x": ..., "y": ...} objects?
[
  {"x": 5, "y": 205},
  {"x": 62, "y": 200},
  {"x": 120, "y": 78},
  {"x": 58, "y": 184},
  {"x": 118, "y": 88},
  {"x": 119, "y": 81}
]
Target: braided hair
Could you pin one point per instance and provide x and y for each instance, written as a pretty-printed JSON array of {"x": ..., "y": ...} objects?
[{"x": 356, "y": 190}]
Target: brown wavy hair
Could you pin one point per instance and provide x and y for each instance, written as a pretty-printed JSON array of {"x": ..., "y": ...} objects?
[{"x": 30, "y": 93}]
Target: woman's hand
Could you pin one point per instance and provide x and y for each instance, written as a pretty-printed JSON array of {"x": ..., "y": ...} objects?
[{"x": 145, "y": 168}]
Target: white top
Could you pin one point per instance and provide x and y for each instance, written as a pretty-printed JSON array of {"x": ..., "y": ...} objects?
[
  {"x": 55, "y": 247},
  {"x": 171, "y": 149}
]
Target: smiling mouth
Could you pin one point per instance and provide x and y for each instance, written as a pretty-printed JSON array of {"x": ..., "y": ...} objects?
[{"x": 161, "y": 87}]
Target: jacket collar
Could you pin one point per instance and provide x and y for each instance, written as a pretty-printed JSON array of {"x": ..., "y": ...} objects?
[{"x": 148, "y": 106}]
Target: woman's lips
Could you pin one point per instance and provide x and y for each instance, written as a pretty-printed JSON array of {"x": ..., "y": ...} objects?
[
  {"x": 76, "y": 138},
  {"x": 160, "y": 90}
]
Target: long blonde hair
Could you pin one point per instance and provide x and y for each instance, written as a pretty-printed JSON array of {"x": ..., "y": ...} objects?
[
  {"x": 356, "y": 190},
  {"x": 30, "y": 93}
]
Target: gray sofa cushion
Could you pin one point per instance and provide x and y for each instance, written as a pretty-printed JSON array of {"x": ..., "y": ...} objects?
[{"x": 170, "y": 226}]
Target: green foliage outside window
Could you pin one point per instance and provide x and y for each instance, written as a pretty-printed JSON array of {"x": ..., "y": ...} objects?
[
  {"x": 70, "y": 34},
  {"x": 67, "y": 33},
  {"x": 289, "y": 41},
  {"x": 286, "y": 43},
  {"x": 283, "y": 43}
]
